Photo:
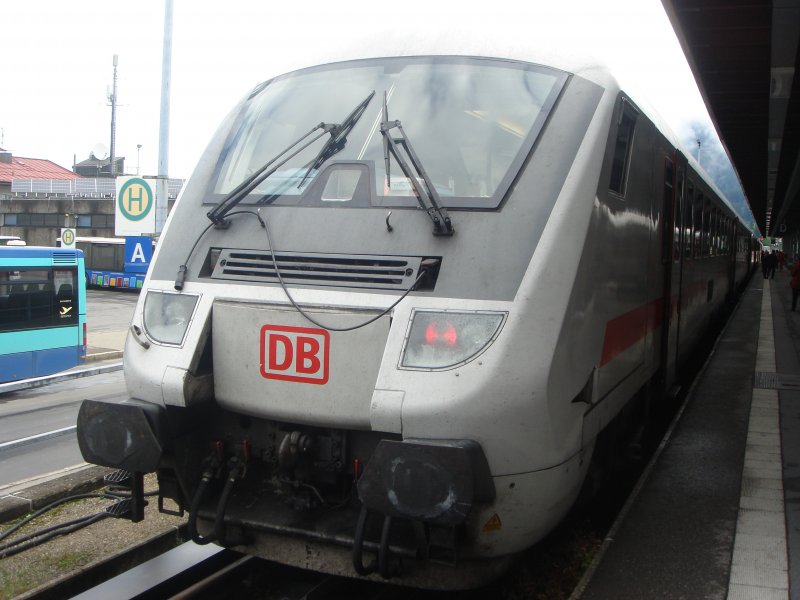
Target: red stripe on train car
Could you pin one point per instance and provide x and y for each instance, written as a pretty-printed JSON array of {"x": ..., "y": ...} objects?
[{"x": 626, "y": 330}]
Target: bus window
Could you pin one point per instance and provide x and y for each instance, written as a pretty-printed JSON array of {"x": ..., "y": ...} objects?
[{"x": 38, "y": 298}]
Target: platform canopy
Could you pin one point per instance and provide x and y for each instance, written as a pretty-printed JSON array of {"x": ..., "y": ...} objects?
[{"x": 744, "y": 56}]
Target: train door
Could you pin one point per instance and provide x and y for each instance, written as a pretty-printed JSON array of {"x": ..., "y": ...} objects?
[{"x": 672, "y": 261}]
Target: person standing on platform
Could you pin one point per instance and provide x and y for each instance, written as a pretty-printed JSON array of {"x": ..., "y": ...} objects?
[
  {"x": 769, "y": 262},
  {"x": 773, "y": 262},
  {"x": 794, "y": 271}
]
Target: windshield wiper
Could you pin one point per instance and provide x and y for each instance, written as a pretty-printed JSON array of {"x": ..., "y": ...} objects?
[
  {"x": 217, "y": 214},
  {"x": 427, "y": 196},
  {"x": 338, "y": 139}
]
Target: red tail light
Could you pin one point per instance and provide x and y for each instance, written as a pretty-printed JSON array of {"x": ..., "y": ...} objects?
[{"x": 441, "y": 334}]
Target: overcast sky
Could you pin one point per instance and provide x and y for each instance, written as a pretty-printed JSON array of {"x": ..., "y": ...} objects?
[{"x": 57, "y": 70}]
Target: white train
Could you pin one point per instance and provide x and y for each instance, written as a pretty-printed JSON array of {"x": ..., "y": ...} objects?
[{"x": 400, "y": 299}]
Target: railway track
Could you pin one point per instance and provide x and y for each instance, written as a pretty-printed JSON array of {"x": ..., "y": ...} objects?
[{"x": 210, "y": 572}]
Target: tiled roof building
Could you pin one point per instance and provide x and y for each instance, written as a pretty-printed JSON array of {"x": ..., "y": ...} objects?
[{"x": 18, "y": 167}]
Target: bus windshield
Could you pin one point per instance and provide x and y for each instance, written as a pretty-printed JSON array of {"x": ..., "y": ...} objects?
[{"x": 472, "y": 122}]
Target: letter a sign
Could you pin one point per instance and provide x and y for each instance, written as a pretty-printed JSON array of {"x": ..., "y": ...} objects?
[{"x": 135, "y": 212}]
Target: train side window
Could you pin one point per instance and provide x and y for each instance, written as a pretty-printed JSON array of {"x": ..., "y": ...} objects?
[
  {"x": 712, "y": 231},
  {"x": 706, "y": 227},
  {"x": 728, "y": 236},
  {"x": 697, "y": 224},
  {"x": 687, "y": 234},
  {"x": 622, "y": 148},
  {"x": 677, "y": 251},
  {"x": 668, "y": 213},
  {"x": 723, "y": 235}
]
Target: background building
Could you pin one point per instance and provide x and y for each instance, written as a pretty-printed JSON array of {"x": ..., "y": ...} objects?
[
  {"x": 38, "y": 198},
  {"x": 99, "y": 167}
]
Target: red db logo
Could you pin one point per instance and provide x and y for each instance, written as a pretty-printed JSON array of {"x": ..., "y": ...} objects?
[{"x": 295, "y": 354}]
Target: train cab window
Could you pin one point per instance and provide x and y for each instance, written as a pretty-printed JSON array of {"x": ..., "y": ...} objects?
[
  {"x": 472, "y": 123},
  {"x": 340, "y": 184},
  {"x": 622, "y": 148}
]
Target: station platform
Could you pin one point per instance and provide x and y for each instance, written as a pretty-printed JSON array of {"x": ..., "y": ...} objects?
[{"x": 716, "y": 514}]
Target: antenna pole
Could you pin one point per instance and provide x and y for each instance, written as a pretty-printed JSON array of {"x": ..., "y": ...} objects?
[{"x": 113, "y": 99}]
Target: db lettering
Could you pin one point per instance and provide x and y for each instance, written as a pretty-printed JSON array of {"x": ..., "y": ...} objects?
[{"x": 295, "y": 354}]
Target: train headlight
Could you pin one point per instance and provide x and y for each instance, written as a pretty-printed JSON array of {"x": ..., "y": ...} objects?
[
  {"x": 167, "y": 315},
  {"x": 444, "y": 339}
]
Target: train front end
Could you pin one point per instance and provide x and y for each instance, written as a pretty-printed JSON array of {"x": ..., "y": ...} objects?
[{"x": 342, "y": 356}]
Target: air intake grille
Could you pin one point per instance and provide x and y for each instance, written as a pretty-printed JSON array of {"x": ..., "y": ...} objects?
[
  {"x": 340, "y": 270},
  {"x": 65, "y": 258}
]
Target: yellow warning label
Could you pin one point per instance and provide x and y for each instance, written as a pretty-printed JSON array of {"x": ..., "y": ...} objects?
[{"x": 493, "y": 524}]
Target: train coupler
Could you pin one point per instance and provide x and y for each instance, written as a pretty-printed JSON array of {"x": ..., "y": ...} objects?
[
  {"x": 211, "y": 466},
  {"x": 129, "y": 487},
  {"x": 237, "y": 468},
  {"x": 382, "y": 564}
]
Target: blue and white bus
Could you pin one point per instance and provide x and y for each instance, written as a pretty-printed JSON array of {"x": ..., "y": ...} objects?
[{"x": 42, "y": 311}]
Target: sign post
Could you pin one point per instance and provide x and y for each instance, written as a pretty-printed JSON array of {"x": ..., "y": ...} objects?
[
  {"x": 138, "y": 254},
  {"x": 67, "y": 237},
  {"x": 135, "y": 207}
]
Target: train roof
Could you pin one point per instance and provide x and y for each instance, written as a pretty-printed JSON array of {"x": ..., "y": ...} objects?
[
  {"x": 470, "y": 37},
  {"x": 431, "y": 39}
]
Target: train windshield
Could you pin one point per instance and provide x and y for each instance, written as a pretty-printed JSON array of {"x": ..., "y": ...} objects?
[{"x": 471, "y": 121}]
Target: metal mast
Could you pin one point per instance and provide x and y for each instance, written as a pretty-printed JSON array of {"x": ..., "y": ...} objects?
[{"x": 113, "y": 99}]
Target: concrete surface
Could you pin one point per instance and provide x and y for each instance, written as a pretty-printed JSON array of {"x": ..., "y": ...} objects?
[{"x": 104, "y": 354}]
